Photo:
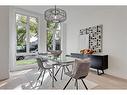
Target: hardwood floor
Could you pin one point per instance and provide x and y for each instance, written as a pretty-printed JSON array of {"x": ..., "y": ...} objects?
[
  {"x": 103, "y": 81},
  {"x": 107, "y": 81}
]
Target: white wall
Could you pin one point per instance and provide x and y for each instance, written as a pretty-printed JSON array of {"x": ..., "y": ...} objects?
[
  {"x": 114, "y": 20},
  {"x": 4, "y": 42}
]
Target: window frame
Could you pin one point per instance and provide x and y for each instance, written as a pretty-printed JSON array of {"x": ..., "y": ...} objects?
[
  {"x": 28, "y": 15},
  {"x": 12, "y": 36}
]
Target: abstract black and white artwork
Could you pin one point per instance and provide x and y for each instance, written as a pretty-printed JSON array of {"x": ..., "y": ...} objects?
[{"x": 95, "y": 37}]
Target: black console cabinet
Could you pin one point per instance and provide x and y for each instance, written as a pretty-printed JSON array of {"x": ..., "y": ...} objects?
[{"x": 99, "y": 62}]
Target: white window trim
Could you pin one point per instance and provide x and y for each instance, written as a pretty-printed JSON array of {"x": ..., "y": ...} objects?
[
  {"x": 12, "y": 35},
  {"x": 27, "y": 34}
]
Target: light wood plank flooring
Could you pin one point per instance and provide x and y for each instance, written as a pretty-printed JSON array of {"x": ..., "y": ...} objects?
[
  {"x": 104, "y": 81},
  {"x": 107, "y": 81}
]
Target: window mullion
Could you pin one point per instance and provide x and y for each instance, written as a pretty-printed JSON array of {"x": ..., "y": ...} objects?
[
  {"x": 27, "y": 35},
  {"x": 54, "y": 43}
]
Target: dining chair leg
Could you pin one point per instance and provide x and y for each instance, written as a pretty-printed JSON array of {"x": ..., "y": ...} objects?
[
  {"x": 50, "y": 72},
  {"x": 62, "y": 72},
  {"x": 37, "y": 80},
  {"x": 64, "y": 69},
  {"x": 57, "y": 70},
  {"x": 67, "y": 69},
  {"x": 43, "y": 76},
  {"x": 67, "y": 83},
  {"x": 84, "y": 84},
  {"x": 76, "y": 83},
  {"x": 39, "y": 68},
  {"x": 39, "y": 75}
]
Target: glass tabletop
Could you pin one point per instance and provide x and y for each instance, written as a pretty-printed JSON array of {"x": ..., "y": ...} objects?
[
  {"x": 63, "y": 59},
  {"x": 66, "y": 59}
]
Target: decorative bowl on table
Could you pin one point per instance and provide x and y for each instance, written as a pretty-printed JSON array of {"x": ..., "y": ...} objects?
[{"x": 56, "y": 53}]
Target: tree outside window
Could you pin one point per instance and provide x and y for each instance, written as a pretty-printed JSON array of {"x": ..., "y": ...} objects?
[
  {"x": 53, "y": 36},
  {"x": 25, "y": 37}
]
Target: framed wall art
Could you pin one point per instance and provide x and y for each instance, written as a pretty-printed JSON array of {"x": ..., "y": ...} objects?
[{"x": 95, "y": 34}]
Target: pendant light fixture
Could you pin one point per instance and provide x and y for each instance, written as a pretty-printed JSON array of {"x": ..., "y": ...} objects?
[{"x": 55, "y": 15}]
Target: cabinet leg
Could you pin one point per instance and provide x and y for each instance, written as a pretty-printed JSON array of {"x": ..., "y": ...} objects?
[
  {"x": 97, "y": 71},
  {"x": 100, "y": 73}
]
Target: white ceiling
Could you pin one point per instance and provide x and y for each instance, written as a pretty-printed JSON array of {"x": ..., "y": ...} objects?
[
  {"x": 67, "y": 8},
  {"x": 38, "y": 9}
]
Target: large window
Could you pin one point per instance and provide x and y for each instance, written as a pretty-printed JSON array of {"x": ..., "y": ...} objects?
[
  {"x": 53, "y": 36},
  {"x": 27, "y": 38},
  {"x": 21, "y": 24}
]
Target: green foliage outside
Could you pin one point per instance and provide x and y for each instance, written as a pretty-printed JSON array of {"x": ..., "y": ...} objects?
[
  {"x": 25, "y": 62},
  {"x": 21, "y": 24},
  {"x": 33, "y": 30},
  {"x": 51, "y": 27},
  {"x": 21, "y": 28}
]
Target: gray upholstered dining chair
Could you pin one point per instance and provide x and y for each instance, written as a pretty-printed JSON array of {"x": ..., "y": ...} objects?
[
  {"x": 79, "y": 71},
  {"x": 43, "y": 67}
]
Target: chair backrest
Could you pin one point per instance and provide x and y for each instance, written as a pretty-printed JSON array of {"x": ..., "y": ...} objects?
[
  {"x": 40, "y": 62},
  {"x": 81, "y": 68}
]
